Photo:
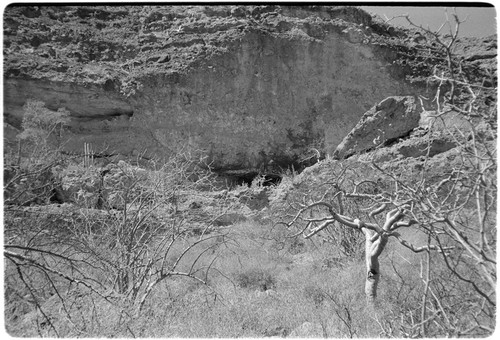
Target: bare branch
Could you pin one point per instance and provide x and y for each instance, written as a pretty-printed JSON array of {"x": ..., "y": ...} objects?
[{"x": 418, "y": 249}]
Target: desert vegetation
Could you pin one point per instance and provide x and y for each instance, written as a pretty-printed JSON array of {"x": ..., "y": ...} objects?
[
  {"x": 447, "y": 215},
  {"x": 102, "y": 246}
]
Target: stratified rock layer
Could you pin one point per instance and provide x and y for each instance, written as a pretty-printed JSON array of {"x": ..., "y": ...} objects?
[
  {"x": 247, "y": 88},
  {"x": 244, "y": 87},
  {"x": 265, "y": 100}
]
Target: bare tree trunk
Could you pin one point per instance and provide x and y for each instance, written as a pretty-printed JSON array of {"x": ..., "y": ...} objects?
[
  {"x": 372, "y": 278},
  {"x": 374, "y": 247}
]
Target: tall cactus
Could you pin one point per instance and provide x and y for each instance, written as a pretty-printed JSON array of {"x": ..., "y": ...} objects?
[{"x": 88, "y": 155}]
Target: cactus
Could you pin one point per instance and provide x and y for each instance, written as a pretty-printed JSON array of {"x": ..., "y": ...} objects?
[{"x": 88, "y": 155}]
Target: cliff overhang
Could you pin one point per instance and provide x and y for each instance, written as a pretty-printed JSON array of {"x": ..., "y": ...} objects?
[{"x": 245, "y": 88}]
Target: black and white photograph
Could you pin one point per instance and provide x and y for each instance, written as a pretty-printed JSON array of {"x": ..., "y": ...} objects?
[{"x": 249, "y": 169}]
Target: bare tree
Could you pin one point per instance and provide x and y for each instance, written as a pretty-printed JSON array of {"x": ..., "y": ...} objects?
[
  {"x": 117, "y": 255},
  {"x": 314, "y": 216},
  {"x": 461, "y": 205},
  {"x": 452, "y": 206}
]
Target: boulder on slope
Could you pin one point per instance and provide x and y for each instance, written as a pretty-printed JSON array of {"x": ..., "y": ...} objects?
[{"x": 392, "y": 118}]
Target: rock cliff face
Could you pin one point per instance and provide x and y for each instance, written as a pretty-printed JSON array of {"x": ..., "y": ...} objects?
[
  {"x": 267, "y": 98},
  {"x": 249, "y": 88}
]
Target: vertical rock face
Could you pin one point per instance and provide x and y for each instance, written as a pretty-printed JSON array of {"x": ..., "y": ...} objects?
[
  {"x": 268, "y": 98},
  {"x": 243, "y": 87}
]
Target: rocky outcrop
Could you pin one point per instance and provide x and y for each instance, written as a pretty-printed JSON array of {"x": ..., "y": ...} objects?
[
  {"x": 392, "y": 118},
  {"x": 246, "y": 87},
  {"x": 272, "y": 98},
  {"x": 413, "y": 147},
  {"x": 99, "y": 187},
  {"x": 87, "y": 103}
]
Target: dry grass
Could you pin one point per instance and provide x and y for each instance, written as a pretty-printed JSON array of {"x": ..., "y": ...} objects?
[
  {"x": 263, "y": 284},
  {"x": 264, "y": 292},
  {"x": 260, "y": 288}
]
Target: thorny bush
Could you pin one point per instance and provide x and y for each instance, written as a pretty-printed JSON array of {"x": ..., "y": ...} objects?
[{"x": 109, "y": 255}]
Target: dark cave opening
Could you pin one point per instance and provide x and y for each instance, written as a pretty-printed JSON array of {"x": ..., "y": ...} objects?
[
  {"x": 271, "y": 179},
  {"x": 248, "y": 178}
]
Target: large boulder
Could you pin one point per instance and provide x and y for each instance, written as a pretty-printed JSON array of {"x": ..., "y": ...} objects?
[
  {"x": 80, "y": 185},
  {"x": 101, "y": 187},
  {"x": 392, "y": 118}
]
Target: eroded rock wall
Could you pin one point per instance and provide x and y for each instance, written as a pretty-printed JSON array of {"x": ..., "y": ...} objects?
[
  {"x": 83, "y": 101},
  {"x": 267, "y": 98},
  {"x": 245, "y": 87}
]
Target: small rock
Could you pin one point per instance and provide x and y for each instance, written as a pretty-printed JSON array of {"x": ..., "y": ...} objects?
[
  {"x": 257, "y": 200},
  {"x": 239, "y": 11},
  {"x": 194, "y": 205},
  {"x": 31, "y": 11},
  {"x": 164, "y": 59},
  {"x": 354, "y": 35},
  {"x": 228, "y": 219}
]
